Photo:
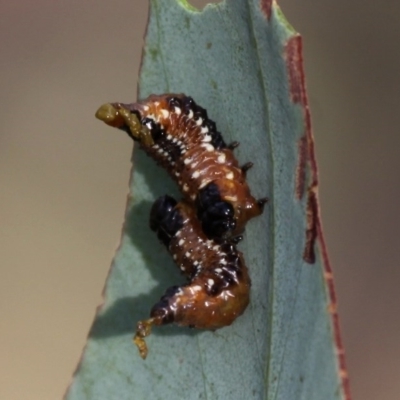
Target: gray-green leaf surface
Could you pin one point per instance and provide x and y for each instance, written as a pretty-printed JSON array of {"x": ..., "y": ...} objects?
[{"x": 232, "y": 59}]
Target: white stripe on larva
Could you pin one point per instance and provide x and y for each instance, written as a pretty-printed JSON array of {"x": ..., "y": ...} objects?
[
  {"x": 165, "y": 113},
  {"x": 204, "y": 129},
  {"x": 178, "y": 111},
  {"x": 208, "y": 146},
  {"x": 180, "y": 243},
  {"x": 207, "y": 138},
  {"x": 187, "y": 161},
  {"x": 195, "y": 174},
  {"x": 190, "y": 115},
  {"x": 169, "y": 137},
  {"x": 199, "y": 121},
  {"x": 229, "y": 175},
  {"x": 210, "y": 282},
  {"x": 204, "y": 183}
]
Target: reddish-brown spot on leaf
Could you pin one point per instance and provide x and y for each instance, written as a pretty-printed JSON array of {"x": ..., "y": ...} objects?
[
  {"x": 266, "y": 7},
  {"x": 297, "y": 88},
  {"x": 301, "y": 166},
  {"x": 311, "y": 230}
]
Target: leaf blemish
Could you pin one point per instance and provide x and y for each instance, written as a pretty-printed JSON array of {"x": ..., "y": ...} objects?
[
  {"x": 266, "y": 8},
  {"x": 294, "y": 62},
  {"x": 312, "y": 225},
  {"x": 301, "y": 167}
]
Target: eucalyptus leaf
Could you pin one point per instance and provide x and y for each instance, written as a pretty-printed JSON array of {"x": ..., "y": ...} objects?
[{"x": 241, "y": 61}]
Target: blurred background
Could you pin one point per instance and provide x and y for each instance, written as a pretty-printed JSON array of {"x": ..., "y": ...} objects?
[{"x": 64, "y": 176}]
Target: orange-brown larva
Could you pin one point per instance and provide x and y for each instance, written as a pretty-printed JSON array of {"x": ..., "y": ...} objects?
[
  {"x": 218, "y": 285},
  {"x": 177, "y": 133}
]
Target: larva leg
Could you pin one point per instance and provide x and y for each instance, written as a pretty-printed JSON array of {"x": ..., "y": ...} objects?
[
  {"x": 261, "y": 202},
  {"x": 236, "y": 239},
  {"x": 246, "y": 167},
  {"x": 233, "y": 145}
]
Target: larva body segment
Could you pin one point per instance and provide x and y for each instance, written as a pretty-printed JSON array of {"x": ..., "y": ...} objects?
[
  {"x": 218, "y": 285},
  {"x": 177, "y": 133}
]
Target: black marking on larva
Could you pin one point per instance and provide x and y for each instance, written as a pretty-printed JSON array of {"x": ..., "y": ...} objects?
[
  {"x": 216, "y": 138},
  {"x": 217, "y": 217},
  {"x": 161, "y": 207},
  {"x": 157, "y": 133},
  {"x": 165, "y": 219},
  {"x": 162, "y": 310},
  {"x": 160, "y": 139},
  {"x": 174, "y": 102},
  {"x": 200, "y": 112},
  {"x": 215, "y": 288},
  {"x": 162, "y": 307},
  {"x": 187, "y": 104}
]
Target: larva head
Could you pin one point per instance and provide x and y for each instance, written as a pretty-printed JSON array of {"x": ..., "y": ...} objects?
[{"x": 118, "y": 116}]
